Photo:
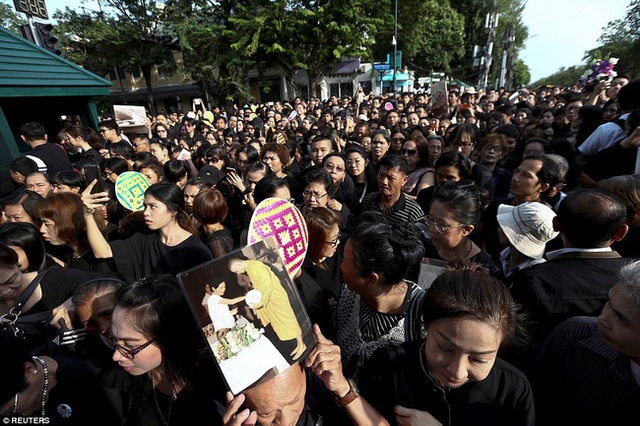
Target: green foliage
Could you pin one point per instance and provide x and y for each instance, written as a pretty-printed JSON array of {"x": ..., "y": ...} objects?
[
  {"x": 564, "y": 77},
  {"x": 430, "y": 35},
  {"x": 9, "y": 19}
]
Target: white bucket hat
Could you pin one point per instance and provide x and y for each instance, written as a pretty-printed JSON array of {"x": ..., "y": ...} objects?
[{"x": 528, "y": 226}]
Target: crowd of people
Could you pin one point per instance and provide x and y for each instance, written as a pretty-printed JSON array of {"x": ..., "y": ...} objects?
[{"x": 529, "y": 201}]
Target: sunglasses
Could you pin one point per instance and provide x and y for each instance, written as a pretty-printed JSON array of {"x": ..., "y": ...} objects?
[{"x": 404, "y": 151}]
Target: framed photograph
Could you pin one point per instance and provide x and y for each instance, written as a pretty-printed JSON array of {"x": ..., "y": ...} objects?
[
  {"x": 250, "y": 313},
  {"x": 429, "y": 271}
]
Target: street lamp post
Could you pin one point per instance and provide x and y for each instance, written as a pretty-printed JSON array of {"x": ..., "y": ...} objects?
[{"x": 394, "y": 43}]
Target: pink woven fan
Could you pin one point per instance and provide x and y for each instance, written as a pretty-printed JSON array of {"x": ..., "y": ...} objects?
[{"x": 281, "y": 219}]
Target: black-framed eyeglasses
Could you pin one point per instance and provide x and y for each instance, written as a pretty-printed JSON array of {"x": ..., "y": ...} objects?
[
  {"x": 398, "y": 139},
  {"x": 440, "y": 228},
  {"x": 309, "y": 194},
  {"x": 335, "y": 242},
  {"x": 409, "y": 152},
  {"x": 107, "y": 339},
  {"x": 489, "y": 148}
]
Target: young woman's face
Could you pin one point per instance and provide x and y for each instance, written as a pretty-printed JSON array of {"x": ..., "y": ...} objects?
[
  {"x": 150, "y": 174},
  {"x": 11, "y": 283},
  {"x": 460, "y": 350},
  {"x": 410, "y": 153},
  {"x": 49, "y": 232},
  {"x": 190, "y": 192},
  {"x": 159, "y": 152},
  {"x": 331, "y": 245},
  {"x": 533, "y": 148},
  {"x": 356, "y": 164},
  {"x": 366, "y": 143},
  {"x": 452, "y": 237},
  {"x": 156, "y": 213},
  {"x": 397, "y": 140},
  {"x": 126, "y": 335},
  {"x": 243, "y": 162}
]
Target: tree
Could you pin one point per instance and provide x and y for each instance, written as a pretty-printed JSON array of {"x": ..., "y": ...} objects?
[
  {"x": 430, "y": 35},
  {"x": 305, "y": 34},
  {"x": 135, "y": 41},
  {"x": 621, "y": 39},
  {"x": 564, "y": 77},
  {"x": 10, "y": 19}
]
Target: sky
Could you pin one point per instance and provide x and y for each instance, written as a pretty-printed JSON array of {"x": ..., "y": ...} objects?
[{"x": 560, "y": 31}]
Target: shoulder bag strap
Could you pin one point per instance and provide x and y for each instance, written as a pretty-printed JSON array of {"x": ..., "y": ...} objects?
[{"x": 17, "y": 309}]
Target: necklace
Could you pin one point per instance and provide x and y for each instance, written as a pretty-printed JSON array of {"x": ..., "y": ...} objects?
[
  {"x": 45, "y": 388},
  {"x": 166, "y": 421}
]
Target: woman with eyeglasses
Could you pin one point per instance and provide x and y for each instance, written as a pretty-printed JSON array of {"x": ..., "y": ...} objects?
[
  {"x": 421, "y": 175},
  {"x": 320, "y": 191},
  {"x": 464, "y": 140},
  {"x": 319, "y": 282},
  {"x": 453, "y": 216},
  {"x": 336, "y": 165},
  {"x": 378, "y": 307},
  {"x": 163, "y": 377},
  {"x": 491, "y": 150}
]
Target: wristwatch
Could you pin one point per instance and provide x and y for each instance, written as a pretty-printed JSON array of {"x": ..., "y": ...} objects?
[{"x": 350, "y": 396}]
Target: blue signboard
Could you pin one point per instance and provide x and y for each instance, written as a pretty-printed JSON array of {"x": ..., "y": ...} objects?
[{"x": 381, "y": 66}]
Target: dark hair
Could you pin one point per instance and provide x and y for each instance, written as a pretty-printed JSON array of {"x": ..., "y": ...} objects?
[
  {"x": 319, "y": 223},
  {"x": 174, "y": 170},
  {"x": 86, "y": 134},
  {"x": 28, "y": 238},
  {"x": 23, "y": 165},
  {"x": 8, "y": 256},
  {"x": 322, "y": 177},
  {"x": 549, "y": 173},
  {"x": 385, "y": 250},
  {"x": 457, "y": 133},
  {"x": 116, "y": 165},
  {"x": 509, "y": 130},
  {"x": 210, "y": 207},
  {"x": 423, "y": 149},
  {"x": 110, "y": 124},
  {"x": 394, "y": 161},
  {"x": 33, "y": 131},
  {"x": 198, "y": 182},
  {"x": 590, "y": 218},
  {"x": 463, "y": 199},
  {"x": 259, "y": 166},
  {"x": 28, "y": 200},
  {"x": 122, "y": 149},
  {"x": 251, "y": 152},
  {"x": 629, "y": 96},
  {"x": 70, "y": 178},
  {"x": 469, "y": 292},
  {"x": 171, "y": 196},
  {"x": 267, "y": 187},
  {"x": 159, "y": 310},
  {"x": 154, "y": 165},
  {"x": 104, "y": 289}
]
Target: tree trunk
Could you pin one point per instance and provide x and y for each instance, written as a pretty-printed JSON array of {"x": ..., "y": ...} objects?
[
  {"x": 146, "y": 73},
  {"x": 314, "y": 76}
]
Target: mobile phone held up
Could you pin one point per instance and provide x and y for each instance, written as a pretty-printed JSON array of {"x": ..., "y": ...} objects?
[{"x": 91, "y": 173}]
